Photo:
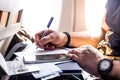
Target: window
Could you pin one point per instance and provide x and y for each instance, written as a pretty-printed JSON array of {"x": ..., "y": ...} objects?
[
  {"x": 38, "y": 12},
  {"x": 94, "y": 10},
  {"x": 3, "y": 18},
  {"x": 94, "y": 13}
]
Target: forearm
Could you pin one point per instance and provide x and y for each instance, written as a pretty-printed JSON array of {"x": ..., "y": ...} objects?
[
  {"x": 115, "y": 73},
  {"x": 86, "y": 37}
]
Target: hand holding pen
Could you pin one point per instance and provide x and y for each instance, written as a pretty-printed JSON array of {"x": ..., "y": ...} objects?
[
  {"x": 50, "y": 39},
  {"x": 46, "y": 30}
]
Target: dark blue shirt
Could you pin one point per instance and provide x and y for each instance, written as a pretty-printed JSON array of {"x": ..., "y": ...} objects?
[{"x": 113, "y": 21}]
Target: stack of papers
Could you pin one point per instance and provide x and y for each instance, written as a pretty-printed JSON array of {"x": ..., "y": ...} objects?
[
  {"x": 43, "y": 70},
  {"x": 16, "y": 67},
  {"x": 47, "y": 69},
  {"x": 44, "y": 58}
]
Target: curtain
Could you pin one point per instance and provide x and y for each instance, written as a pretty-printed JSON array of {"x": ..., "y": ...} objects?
[
  {"x": 79, "y": 15},
  {"x": 72, "y": 16}
]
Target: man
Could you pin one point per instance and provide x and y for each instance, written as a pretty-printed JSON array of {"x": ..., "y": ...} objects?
[{"x": 88, "y": 57}]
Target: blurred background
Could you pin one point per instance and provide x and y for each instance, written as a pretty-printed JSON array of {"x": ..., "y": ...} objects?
[{"x": 69, "y": 15}]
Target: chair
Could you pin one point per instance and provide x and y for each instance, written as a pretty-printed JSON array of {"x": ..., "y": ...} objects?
[{"x": 11, "y": 13}]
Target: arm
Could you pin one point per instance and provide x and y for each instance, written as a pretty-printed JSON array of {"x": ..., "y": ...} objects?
[
  {"x": 89, "y": 37},
  {"x": 59, "y": 39},
  {"x": 86, "y": 37},
  {"x": 115, "y": 73}
]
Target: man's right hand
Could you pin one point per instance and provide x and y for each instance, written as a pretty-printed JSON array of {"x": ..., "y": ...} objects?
[{"x": 52, "y": 40}]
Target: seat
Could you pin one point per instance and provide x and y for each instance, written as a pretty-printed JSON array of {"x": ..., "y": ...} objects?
[{"x": 11, "y": 13}]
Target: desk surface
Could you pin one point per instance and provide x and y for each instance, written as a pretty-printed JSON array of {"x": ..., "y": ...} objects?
[{"x": 68, "y": 68}]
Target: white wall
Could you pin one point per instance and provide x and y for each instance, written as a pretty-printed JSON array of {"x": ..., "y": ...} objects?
[
  {"x": 69, "y": 15},
  {"x": 38, "y": 12},
  {"x": 8, "y": 5}
]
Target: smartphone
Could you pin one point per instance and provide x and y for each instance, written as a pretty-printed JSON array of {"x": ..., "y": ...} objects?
[{"x": 45, "y": 58}]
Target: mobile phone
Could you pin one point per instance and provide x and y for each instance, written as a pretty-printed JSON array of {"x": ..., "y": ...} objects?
[{"x": 45, "y": 58}]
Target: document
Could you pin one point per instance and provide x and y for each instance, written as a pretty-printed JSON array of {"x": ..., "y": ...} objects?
[
  {"x": 33, "y": 50},
  {"x": 37, "y": 55},
  {"x": 46, "y": 69},
  {"x": 16, "y": 67},
  {"x": 45, "y": 58}
]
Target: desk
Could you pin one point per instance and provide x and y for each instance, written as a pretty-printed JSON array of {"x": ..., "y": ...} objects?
[
  {"x": 66, "y": 75},
  {"x": 68, "y": 68}
]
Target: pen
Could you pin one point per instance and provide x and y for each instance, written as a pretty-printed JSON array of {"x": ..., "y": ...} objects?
[
  {"x": 46, "y": 30},
  {"x": 48, "y": 26}
]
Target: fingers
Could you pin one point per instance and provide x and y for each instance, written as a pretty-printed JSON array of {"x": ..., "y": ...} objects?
[
  {"x": 47, "y": 39},
  {"x": 45, "y": 42},
  {"x": 79, "y": 53},
  {"x": 85, "y": 53},
  {"x": 75, "y": 54},
  {"x": 49, "y": 47},
  {"x": 37, "y": 37}
]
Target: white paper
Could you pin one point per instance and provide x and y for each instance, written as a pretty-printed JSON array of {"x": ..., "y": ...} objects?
[
  {"x": 32, "y": 50},
  {"x": 46, "y": 69},
  {"x": 16, "y": 67},
  {"x": 3, "y": 63}
]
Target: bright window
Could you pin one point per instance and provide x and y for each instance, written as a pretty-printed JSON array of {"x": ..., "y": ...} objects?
[
  {"x": 94, "y": 15},
  {"x": 38, "y": 12},
  {"x": 94, "y": 10}
]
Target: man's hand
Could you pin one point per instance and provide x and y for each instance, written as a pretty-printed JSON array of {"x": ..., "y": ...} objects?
[
  {"x": 52, "y": 40},
  {"x": 87, "y": 57}
]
